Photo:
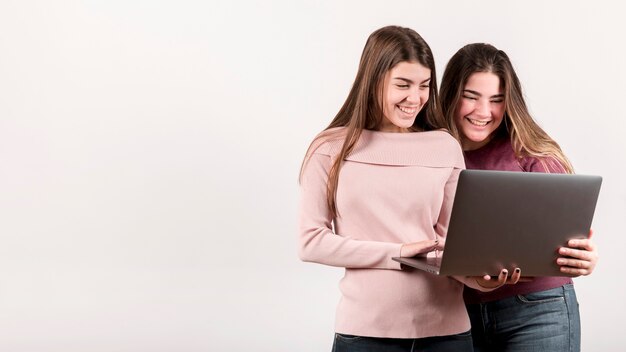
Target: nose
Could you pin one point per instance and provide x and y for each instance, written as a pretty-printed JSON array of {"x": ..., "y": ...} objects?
[
  {"x": 415, "y": 97},
  {"x": 482, "y": 108}
]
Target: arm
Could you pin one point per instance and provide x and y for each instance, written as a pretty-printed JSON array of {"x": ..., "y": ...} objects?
[{"x": 317, "y": 241}]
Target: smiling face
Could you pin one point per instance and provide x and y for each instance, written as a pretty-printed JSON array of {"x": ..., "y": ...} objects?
[
  {"x": 480, "y": 110},
  {"x": 405, "y": 92}
]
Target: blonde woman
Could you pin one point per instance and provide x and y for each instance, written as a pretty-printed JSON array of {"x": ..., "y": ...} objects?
[{"x": 483, "y": 103}]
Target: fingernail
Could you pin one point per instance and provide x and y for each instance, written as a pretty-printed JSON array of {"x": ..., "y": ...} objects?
[
  {"x": 560, "y": 261},
  {"x": 517, "y": 270},
  {"x": 505, "y": 272}
]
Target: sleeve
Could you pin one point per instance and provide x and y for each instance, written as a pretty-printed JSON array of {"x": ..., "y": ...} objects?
[
  {"x": 441, "y": 227},
  {"x": 318, "y": 243},
  {"x": 544, "y": 165},
  {"x": 449, "y": 190}
]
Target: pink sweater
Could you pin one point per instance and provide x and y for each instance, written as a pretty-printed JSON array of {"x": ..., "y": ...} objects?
[{"x": 394, "y": 188}]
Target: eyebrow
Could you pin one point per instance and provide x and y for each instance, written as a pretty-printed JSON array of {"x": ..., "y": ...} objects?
[
  {"x": 410, "y": 81},
  {"x": 480, "y": 95}
]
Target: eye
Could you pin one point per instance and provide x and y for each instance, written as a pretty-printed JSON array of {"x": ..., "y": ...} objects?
[
  {"x": 402, "y": 85},
  {"x": 469, "y": 97},
  {"x": 497, "y": 101},
  {"x": 425, "y": 86}
]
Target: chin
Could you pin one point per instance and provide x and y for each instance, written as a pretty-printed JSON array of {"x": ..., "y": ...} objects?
[
  {"x": 478, "y": 138},
  {"x": 408, "y": 124}
]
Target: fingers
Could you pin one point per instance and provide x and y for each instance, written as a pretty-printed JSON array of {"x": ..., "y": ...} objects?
[
  {"x": 504, "y": 274},
  {"x": 492, "y": 282},
  {"x": 576, "y": 253},
  {"x": 575, "y": 267},
  {"x": 580, "y": 261},
  {"x": 415, "y": 248},
  {"x": 501, "y": 280},
  {"x": 517, "y": 274},
  {"x": 487, "y": 283},
  {"x": 574, "y": 271},
  {"x": 574, "y": 263},
  {"x": 584, "y": 243}
]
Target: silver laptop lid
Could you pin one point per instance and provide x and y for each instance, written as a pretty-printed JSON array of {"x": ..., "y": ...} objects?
[{"x": 503, "y": 219}]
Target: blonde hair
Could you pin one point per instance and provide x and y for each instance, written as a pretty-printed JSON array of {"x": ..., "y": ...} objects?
[{"x": 527, "y": 137}]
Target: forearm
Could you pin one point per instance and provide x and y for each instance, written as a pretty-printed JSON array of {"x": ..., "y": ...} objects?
[{"x": 324, "y": 247}]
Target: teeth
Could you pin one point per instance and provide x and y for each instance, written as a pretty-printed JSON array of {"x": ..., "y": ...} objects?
[
  {"x": 478, "y": 123},
  {"x": 407, "y": 110}
]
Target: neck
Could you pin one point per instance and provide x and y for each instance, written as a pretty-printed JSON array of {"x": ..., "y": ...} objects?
[{"x": 469, "y": 145}]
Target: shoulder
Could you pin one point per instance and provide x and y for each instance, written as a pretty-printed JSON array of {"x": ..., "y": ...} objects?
[
  {"x": 452, "y": 147},
  {"x": 322, "y": 150},
  {"x": 447, "y": 139},
  {"x": 328, "y": 142},
  {"x": 546, "y": 164},
  {"x": 430, "y": 149},
  {"x": 442, "y": 141}
]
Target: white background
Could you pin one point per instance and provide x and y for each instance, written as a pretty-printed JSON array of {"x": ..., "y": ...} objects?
[{"x": 149, "y": 155}]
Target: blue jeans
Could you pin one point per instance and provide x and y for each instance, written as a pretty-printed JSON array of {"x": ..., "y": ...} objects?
[
  {"x": 452, "y": 343},
  {"x": 540, "y": 321}
]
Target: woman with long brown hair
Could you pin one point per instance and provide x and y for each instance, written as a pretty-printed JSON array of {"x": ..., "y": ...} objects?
[
  {"x": 482, "y": 101},
  {"x": 378, "y": 183}
]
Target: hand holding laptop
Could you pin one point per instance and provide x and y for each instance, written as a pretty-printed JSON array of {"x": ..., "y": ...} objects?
[
  {"x": 488, "y": 283},
  {"x": 482, "y": 283},
  {"x": 579, "y": 257}
]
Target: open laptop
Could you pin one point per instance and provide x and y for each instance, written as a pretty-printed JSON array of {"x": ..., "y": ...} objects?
[{"x": 506, "y": 219}]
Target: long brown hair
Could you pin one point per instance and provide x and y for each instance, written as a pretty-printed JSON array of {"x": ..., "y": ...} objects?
[
  {"x": 527, "y": 137},
  {"x": 384, "y": 49}
]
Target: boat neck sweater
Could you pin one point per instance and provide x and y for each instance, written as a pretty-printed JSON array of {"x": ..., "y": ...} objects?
[
  {"x": 394, "y": 188},
  {"x": 498, "y": 154}
]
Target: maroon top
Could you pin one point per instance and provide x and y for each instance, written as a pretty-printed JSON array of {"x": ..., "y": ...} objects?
[{"x": 498, "y": 154}]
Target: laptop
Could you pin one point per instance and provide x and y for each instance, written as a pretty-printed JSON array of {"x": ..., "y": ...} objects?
[{"x": 506, "y": 219}]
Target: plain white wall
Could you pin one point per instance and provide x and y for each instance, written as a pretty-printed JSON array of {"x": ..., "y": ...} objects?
[{"x": 149, "y": 153}]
